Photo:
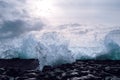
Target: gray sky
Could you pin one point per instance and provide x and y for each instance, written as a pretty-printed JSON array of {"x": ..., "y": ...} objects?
[
  {"x": 15, "y": 19},
  {"x": 21, "y": 16},
  {"x": 89, "y": 11}
]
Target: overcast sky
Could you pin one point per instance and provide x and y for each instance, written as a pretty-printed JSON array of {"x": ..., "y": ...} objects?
[
  {"x": 21, "y": 16},
  {"x": 89, "y": 11}
]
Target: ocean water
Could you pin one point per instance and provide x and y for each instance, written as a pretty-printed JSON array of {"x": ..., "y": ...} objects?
[{"x": 65, "y": 44}]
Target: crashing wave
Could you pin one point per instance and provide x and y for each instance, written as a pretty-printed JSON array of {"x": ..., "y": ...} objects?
[
  {"x": 60, "y": 46},
  {"x": 112, "y": 43}
]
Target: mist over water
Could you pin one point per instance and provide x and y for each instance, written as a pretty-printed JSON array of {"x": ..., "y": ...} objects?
[
  {"x": 78, "y": 30},
  {"x": 65, "y": 44}
]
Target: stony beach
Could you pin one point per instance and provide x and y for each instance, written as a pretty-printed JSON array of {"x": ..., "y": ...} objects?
[{"x": 79, "y": 70}]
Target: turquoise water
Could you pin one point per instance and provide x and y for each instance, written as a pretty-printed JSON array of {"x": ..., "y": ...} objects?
[{"x": 64, "y": 45}]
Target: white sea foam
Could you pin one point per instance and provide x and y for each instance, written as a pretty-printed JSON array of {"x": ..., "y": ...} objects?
[{"x": 65, "y": 44}]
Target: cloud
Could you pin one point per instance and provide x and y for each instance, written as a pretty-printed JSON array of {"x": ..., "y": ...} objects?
[
  {"x": 15, "y": 28},
  {"x": 12, "y": 9},
  {"x": 89, "y": 11},
  {"x": 15, "y": 19}
]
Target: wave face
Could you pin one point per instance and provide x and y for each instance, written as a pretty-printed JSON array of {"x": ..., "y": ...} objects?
[
  {"x": 112, "y": 43},
  {"x": 64, "y": 44}
]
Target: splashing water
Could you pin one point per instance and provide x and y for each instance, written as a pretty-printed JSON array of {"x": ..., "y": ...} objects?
[{"x": 64, "y": 44}]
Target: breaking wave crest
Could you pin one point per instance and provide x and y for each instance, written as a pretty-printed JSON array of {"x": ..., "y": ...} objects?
[
  {"x": 60, "y": 46},
  {"x": 112, "y": 43}
]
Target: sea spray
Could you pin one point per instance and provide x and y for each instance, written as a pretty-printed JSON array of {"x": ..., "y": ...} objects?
[
  {"x": 112, "y": 44},
  {"x": 53, "y": 49},
  {"x": 58, "y": 46}
]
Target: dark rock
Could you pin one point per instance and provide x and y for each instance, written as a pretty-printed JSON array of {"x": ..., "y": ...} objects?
[
  {"x": 112, "y": 78},
  {"x": 32, "y": 71},
  {"x": 23, "y": 64},
  {"x": 58, "y": 71},
  {"x": 31, "y": 75},
  {"x": 4, "y": 77},
  {"x": 46, "y": 68},
  {"x": 79, "y": 70},
  {"x": 2, "y": 70},
  {"x": 12, "y": 72},
  {"x": 31, "y": 79},
  {"x": 41, "y": 74}
]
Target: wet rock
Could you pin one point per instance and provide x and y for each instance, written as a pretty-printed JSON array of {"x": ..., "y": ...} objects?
[
  {"x": 41, "y": 74},
  {"x": 74, "y": 74},
  {"x": 112, "y": 78},
  {"x": 80, "y": 70},
  {"x": 75, "y": 78},
  {"x": 32, "y": 71},
  {"x": 12, "y": 72},
  {"x": 23, "y": 64},
  {"x": 63, "y": 74},
  {"x": 58, "y": 71},
  {"x": 21, "y": 78},
  {"x": 2, "y": 70},
  {"x": 31, "y": 75},
  {"x": 46, "y": 68},
  {"x": 4, "y": 77},
  {"x": 31, "y": 79},
  {"x": 87, "y": 77}
]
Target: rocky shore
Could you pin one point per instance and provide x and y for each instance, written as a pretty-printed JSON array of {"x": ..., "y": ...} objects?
[{"x": 79, "y": 70}]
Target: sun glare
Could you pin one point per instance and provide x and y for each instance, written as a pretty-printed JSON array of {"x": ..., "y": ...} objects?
[{"x": 41, "y": 8}]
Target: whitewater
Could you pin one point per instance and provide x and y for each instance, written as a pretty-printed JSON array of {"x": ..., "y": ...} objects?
[{"x": 64, "y": 44}]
